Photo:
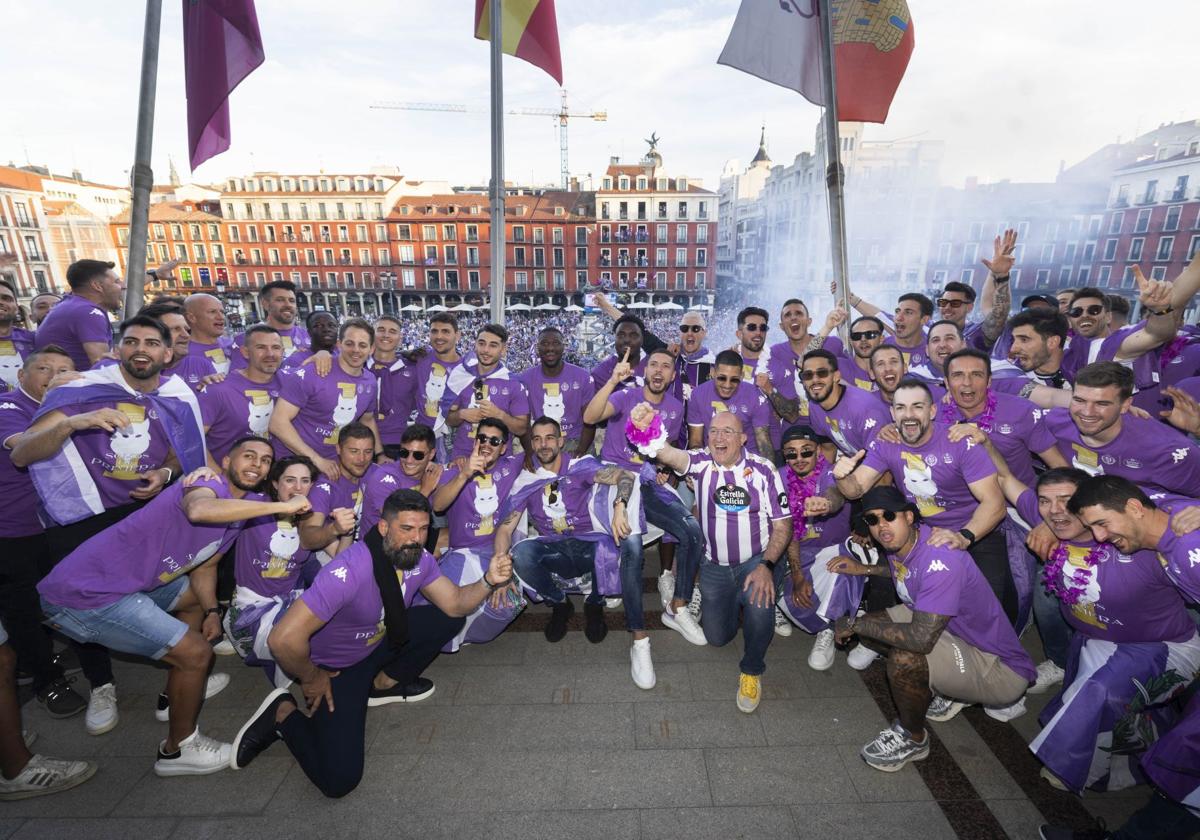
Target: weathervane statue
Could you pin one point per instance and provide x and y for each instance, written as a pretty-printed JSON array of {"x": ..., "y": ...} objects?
[{"x": 652, "y": 141}]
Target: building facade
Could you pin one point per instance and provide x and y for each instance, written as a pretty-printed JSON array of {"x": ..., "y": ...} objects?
[{"x": 26, "y": 258}]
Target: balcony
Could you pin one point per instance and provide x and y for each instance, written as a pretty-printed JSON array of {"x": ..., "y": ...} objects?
[{"x": 1178, "y": 195}]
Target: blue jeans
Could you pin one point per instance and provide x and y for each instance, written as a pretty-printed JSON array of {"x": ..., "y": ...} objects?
[
  {"x": 677, "y": 521},
  {"x": 723, "y": 590},
  {"x": 537, "y": 561},
  {"x": 140, "y": 623},
  {"x": 1052, "y": 627}
]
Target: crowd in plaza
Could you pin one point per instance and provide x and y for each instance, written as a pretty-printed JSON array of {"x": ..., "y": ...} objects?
[{"x": 338, "y": 503}]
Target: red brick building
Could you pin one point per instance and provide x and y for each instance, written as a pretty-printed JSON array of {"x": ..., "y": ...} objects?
[{"x": 183, "y": 232}]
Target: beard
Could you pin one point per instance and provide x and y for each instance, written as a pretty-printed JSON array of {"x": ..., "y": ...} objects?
[
  {"x": 152, "y": 370},
  {"x": 403, "y": 557}
]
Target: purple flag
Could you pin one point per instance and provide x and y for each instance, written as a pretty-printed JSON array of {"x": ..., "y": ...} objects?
[{"x": 221, "y": 45}]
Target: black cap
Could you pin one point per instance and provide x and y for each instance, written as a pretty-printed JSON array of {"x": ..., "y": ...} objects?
[
  {"x": 802, "y": 432},
  {"x": 1046, "y": 299},
  {"x": 887, "y": 497}
]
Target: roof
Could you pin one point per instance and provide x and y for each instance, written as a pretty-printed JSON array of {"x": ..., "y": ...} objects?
[
  {"x": 19, "y": 179},
  {"x": 576, "y": 206},
  {"x": 167, "y": 212},
  {"x": 761, "y": 155}
]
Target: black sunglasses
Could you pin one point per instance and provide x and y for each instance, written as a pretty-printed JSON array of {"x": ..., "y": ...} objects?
[
  {"x": 415, "y": 454},
  {"x": 865, "y": 335},
  {"x": 792, "y": 454},
  {"x": 552, "y": 496},
  {"x": 1094, "y": 309},
  {"x": 683, "y": 328},
  {"x": 948, "y": 302},
  {"x": 873, "y": 519},
  {"x": 820, "y": 373},
  {"x": 756, "y": 327},
  {"x": 492, "y": 439}
]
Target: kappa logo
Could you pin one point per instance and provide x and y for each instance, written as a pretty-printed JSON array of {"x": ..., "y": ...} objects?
[
  {"x": 98, "y": 312},
  {"x": 937, "y": 566},
  {"x": 340, "y": 573},
  {"x": 869, "y": 424},
  {"x": 8, "y": 405},
  {"x": 1193, "y": 558},
  {"x": 298, "y": 373},
  {"x": 387, "y": 479},
  {"x": 324, "y": 487},
  {"x": 1179, "y": 454}
]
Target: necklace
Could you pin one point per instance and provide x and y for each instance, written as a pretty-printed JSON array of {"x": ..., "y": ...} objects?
[
  {"x": 1069, "y": 592},
  {"x": 951, "y": 413},
  {"x": 799, "y": 490}
]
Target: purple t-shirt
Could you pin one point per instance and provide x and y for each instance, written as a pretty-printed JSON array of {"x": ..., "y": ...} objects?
[
  {"x": 562, "y": 397},
  {"x": 296, "y": 348},
  {"x": 431, "y": 377},
  {"x": 913, "y": 356},
  {"x": 13, "y": 350},
  {"x": 379, "y": 482},
  {"x": 821, "y": 531},
  {"x": 504, "y": 391},
  {"x": 561, "y": 506},
  {"x": 736, "y": 505},
  {"x": 690, "y": 371},
  {"x": 617, "y": 449},
  {"x": 267, "y": 556},
  {"x": 853, "y": 422},
  {"x": 602, "y": 371},
  {"x": 192, "y": 369},
  {"x": 854, "y": 372},
  {"x": 747, "y": 402},
  {"x": 73, "y": 322},
  {"x": 18, "y": 513},
  {"x": 1147, "y": 452},
  {"x": 326, "y": 496},
  {"x": 475, "y": 512},
  {"x": 935, "y": 476},
  {"x": 325, "y": 403},
  {"x": 397, "y": 397},
  {"x": 1010, "y": 429},
  {"x": 945, "y": 581},
  {"x": 234, "y": 408},
  {"x": 1180, "y": 558},
  {"x": 345, "y": 596},
  {"x": 147, "y": 549},
  {"x": 783, "y": 366},
  {"x": 220, "y": 354}
]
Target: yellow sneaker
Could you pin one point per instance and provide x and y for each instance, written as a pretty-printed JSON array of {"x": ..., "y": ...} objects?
[{"x": 749, "y": 689}]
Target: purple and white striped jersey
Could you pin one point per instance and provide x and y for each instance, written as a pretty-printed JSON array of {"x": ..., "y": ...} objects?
[{"x": 737, "y": 504}]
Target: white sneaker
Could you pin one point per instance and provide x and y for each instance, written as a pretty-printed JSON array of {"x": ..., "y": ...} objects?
[
  {"x": 860, "y": 657},
  {"x": 1006, "y": 713},
  {"x": 642, "y": 667},
  {"x": 783, "y": 624},
  {"x": 666, "y": 587},
  {"x": 821, "y": 657},
  {"x": 694, "y": 604},
  {"x": 215, "y": 685},
  {"x": 102, "y": 714},
  {"x": 224, "y": 648},
  {"x": 1048, "y": 674},
  {"x": 942, "y": 709},
  {"x": 683, "y": 623},
  {"x": 45, "y": 775},
  {"x": 28, "y": 736},
  {"x": 613, "y": 603},
  {"x": 198, "y": 756}
]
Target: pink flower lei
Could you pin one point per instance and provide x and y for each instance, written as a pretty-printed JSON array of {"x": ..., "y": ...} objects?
[
  {"x": 648, "y": 440},
  {"x": 1052, "y": 575},
  {"x": 799, "y": 490},
  {"x": 1168, "y": 353},
  {"x": 951, "y": 413}
]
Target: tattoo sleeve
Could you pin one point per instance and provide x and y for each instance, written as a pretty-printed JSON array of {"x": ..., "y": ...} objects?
[
  {"x": 993, "y": 325},
  {"x": 608, "y": 475},
  {"x": 762, "y": 436},
  {"x": 793, "y": 556},
  {"x": 787, "y": 409},
  {"x": 836, "y": 499},
  {"x": 917, "y": 636},
  {"x": 625, "y": 485},
  {"x": 781, "y": 534}
]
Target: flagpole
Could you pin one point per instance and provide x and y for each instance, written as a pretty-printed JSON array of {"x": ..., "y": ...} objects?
[
  {"x": 142, "y": 180},
  {"x": 497, "y": 185},
  {"x": 835, "y": 176}
]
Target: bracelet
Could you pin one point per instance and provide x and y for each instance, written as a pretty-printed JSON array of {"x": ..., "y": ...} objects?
[
  {"x": 170, "y": 474},
  {"x": 491, "y": 587},
  {"x": 1003, "y": 279},
  {"x": 1166, "y": 311},
  {"x": 211, "y": 611}
]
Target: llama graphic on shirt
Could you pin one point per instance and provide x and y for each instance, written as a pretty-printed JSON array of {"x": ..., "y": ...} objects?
[
  {"x": 261, "y": 407},
  {"x": 284, "y": 544},
  {"x": 556, "y": 510},
  {"x": 219, "y": 359},
  {"x": 1086, "y": 460},
  {"x": 129, "y": 444},
  {"x": 10, "y": 363},
  {"x": 835, "y": 432},
  {"x": 173, "y": 568},
  {"x": 553, "y": 404},
  {"x": 1085, "y": 608},
  {"x": 487, "y": 503},
  {"x": 918, "y": 480},
  {"x": 434, "y": 389},
  {"x": 346, "y": 409}
]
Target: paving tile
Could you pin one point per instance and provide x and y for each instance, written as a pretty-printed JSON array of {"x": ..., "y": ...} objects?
[
  {"x": 610, "y": 682},
  {"x": 778, "y": 775},
  {"x": 989, "y": 777},
  {"x": 514, "y": 684},
  {"x": 873, "y": 821},
  {"x": 227, "y": 792},
  {"x": 277, "y": 825},
  {"x": 719, "y": 681},
  {"x": 7, "y": 827},
  {"x": 507, "y": 825},
  {"x": 693, "y": 725},
  {"x": 839, "y": 681},
  {"x": 501, "y": 778},
  {"x": 904, "y": 785},
  {"x": 506, "y": 649},
  {"x": 1018, "y": 817},
  {"x": 97, "y": 797},
  {"x": 575, "y": 650},
  {"x": 385, "y": 784},
  {"x": 729, "y": 823},
  {"x": 634, "y": 779},
  {"x": 822, "y": 720},
  {"x": 96, "y": 829}
]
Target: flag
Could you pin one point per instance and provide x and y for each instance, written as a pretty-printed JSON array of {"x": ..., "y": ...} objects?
[
  {"x": 221, "y": 46},
  {"x": 529, "y": 31},
  {"x": 780, "y": 41}
]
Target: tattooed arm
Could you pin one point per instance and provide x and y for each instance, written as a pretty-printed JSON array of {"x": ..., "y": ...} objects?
[
  {"x": 762, "y": 437},
  {"x": 917, "y": 636},
  {"x": 504, "y": 531},
  {"x": 993, "y": 325},
  {"x": 781, "y": 535},
  {"x": 787, "y": 409}
]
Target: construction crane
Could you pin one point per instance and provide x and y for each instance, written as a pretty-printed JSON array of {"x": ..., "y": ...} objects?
[{"x": 562, "y": 115}]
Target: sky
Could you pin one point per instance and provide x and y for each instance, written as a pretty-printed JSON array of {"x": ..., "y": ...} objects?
[{"x": 1011, "y": 88}]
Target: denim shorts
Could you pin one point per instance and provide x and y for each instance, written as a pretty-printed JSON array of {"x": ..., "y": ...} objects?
[{"x": 140, "y": 623}]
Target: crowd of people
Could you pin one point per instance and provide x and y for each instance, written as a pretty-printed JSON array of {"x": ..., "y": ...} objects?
[{"x": 338, "y": 503}]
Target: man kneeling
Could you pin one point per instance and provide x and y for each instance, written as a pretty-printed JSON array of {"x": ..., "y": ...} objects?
[
  {"x": 948, "y": 642},
  {"x": 330, "y": 641}
]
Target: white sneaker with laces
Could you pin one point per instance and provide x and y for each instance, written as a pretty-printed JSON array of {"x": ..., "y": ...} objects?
[
  {"x": 683, "y": 623},
  {"x": 860, "y": 657},
  {"x": 942, "y": 709},
  {"x": 666, "y": 587},
  {"x": 613, "y": 603},
  {"x": 224, "y": 648},
  {"x": 783, "y": 624},
  {"x": 821, "y": 656},
  {"x": 215, "y": 685},
  {"x": 198, "y": 755},
  {"x": 43, "y": 775},
  {"x": 894, "y": 748},
  {"x": 1006, "y": 713},
  {"x": 642, "y": 667},
  {"x": 102, "y": 713},
  {"x": 1048, "y": 674},
  {"x": 694, "y": 604}
]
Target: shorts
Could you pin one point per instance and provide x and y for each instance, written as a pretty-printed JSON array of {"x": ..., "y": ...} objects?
[
  {"x": 140, "y": 623},
  {"x": 962, "y": 672}
]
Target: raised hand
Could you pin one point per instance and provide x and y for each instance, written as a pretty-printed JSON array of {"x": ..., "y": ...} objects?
[
  {"x": 623, "y": 369},
  {"x": 817, "y": 506},
  {"x": 763, "y": 381},
  {"x": 476, "y": 464},
  {"x": 642, "y": 415},
  {"x": 1185, "y": 415},
  {"x": 343, "y": 520},
  {"x": 836, "y": 317},
  {"x": 1001, "y": 263},
  {"x": 846, "y": 464},
  {"x": 1153, "y": 294},
  {"x": 299, "y": 505},
  {"x": 166, "y": 271}
]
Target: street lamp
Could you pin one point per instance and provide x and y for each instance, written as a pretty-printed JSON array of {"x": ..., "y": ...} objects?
[{"x": 389, "y": 282}]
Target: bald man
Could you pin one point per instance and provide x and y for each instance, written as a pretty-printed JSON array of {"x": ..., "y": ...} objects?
[{"x": 206, "y": 319}]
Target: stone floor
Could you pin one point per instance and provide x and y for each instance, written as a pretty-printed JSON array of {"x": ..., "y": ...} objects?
[{"x": 525, "y": 739}]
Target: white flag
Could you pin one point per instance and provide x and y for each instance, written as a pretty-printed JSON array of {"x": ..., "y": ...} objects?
[{"x": 779, "y": 41}]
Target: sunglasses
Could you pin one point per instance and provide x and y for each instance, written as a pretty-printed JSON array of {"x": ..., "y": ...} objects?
[
  {"x": 1094, "y": 309},
  {"x": 792, "y": 454},
  {"x": 478, "y": 389},
  {"x": 865, "y": 335},
  {"x": 552, "y": 496},
  {"x": 489, "y": 439},
  {"x": 872, "y": 519},
  {"x": 756, "y": 327},
  {"x": 809, "y": 375},
  {"x": 952, "y": 304},
  {"x": 686, "y": 328},
  {"x": 415, "y": 454}
]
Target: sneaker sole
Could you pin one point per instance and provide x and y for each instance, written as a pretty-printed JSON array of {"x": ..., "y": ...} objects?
[
  {"x": 669, "y": 621},
  {"x": 164, "y": 715},
  {"x": 100, "y": 730},
  {"x": 1033, "y": 689},
  {"x": 783, "y": 630},
  {"x": 743, "y": 709},
  {"x": 74, "y": 781},
  {"x": 63, "y": 715},
  {"x": 951, "y": 714},
  {"x": 372, "y": 702},
  {"x": 897, "y": 766},
  {"x": 171, "y": 770},
  {"x": 233, "y": 748},
  {"x": 818, "y": 666}
]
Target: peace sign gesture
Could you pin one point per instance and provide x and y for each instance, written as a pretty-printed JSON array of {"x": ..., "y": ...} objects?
[{"x": 1001, "y": 263}]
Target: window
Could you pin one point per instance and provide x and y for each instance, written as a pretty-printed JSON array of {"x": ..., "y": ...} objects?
[
  {"x": 448, "y": 232},
  {"x": 539, "y": 236},
  {"x": 518, "y": 233},
  {"x": 702, "y": 233},
  {"x": 1127, "y": 278},
  {"x": 682, "y": 212},
  {"x": 1085, "y": 274},
  {"x": 1043, "y": 276},
  {"x": 1165, "y": 245},
  {"x": 1064, "y": 276},
  {"x": 452, "y": 280},
  {"x": 966, "y": 276},
  {"x": 1143, "y": 221},
  {"x": 429, "y": 231},
  {"x": 472, "y": 233},
  {"x": 518, "y": 256},
  {"x": 408, "y": 278},
  {"x": 680, "y": 257},
  {"x": 560, "y": 281},
  {"x": 406, "y": 254},
  {"x": 384, "y": 256},
  {"x": 473, "y": 280},
  {"x": 431, "y": 255},
  {"x": 1048, "y": 253},
  {"x": 1151, "y": 194},
  {"x": 520, "y": 281},
  {"x": 1122, "y": 199},
  {"x": 581, "y": 256},
  {"x": 433, "y": 279},
  {"x": 1103, "y": 276},
  {"x": 944, "y": 253},
  {"x": 660, "y": 233},
  {"x": 1089, "y": 251},
  {"x": 701, "y": 281},
  {"x": 1110, "y": 249},
  {"x": 1171, "y": 222},
  {"x": 1135, "y": 249},
  {"x": 556, "y": 236},
  {"x": 1115, "y": 222},
  {"x": 451, "y": 254},
  {"x": 970, "y": 253},
  {"x": 701, "y": 257},
  {"x": 1159, "y": 272},
  {"x": 581, "y": 235},
  {"x": 1180, "y": 192},
  {"x": 681, "y": 234},
  {"x": 1069, "y": 252},
  {"x": 976, "y": 231},
  {"x": 680, "y": 279}
]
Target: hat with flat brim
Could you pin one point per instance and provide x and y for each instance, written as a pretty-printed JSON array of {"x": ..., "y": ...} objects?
[
  {"x": 885, "y": 498},
  {"x": 802, "y": 432}
]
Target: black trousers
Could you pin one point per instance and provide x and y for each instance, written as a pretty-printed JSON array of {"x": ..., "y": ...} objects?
[
  {"x": 329, "y": 746},
  {"x": 62, "y": 540},
  {"x": 24, "y": 561},
  {"x": 990, "y": 553}
]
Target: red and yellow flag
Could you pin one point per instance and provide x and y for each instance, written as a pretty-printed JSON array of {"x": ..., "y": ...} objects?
[{"x": 529, "y": 31}]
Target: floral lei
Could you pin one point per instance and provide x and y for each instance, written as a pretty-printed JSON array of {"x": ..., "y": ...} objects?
[
  {"x": 1168, "y": 353},
  {"x": 799, "y": 489},
  {"x": 951, "y": 414},
  {"x": 649, "y": 441},
  {"x": 1052, "y": 575}
]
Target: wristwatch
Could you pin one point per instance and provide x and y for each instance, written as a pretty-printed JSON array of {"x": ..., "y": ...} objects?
[
  {"x": 966, "y": 532},
  {"x": 769, "y": 564},
  {"x": 1003, "y": 279}
]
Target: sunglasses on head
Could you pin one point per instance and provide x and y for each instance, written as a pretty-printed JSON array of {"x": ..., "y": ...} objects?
[
  {"x": 415, "y": 454},
  {"x": 552, "y": 495},
  {"x": 820, "y": 373},
  {"x": 1094, "y": 309},
  {"x": 489, "y": 439},
  {"x": 756, "y": 327},
  {"x": 793, "y": 454},
  {"x": 865, "y": 335},
  {"x": 683, "y": 328},
  {"x": 949, "y": 302},
  {"x": 478, "y": 389},
  {"x": 872, "y": 519}
]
